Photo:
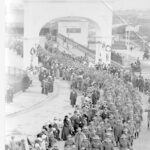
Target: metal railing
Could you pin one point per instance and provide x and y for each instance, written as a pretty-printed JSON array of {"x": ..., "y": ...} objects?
[{"x": 82, "y": 48}]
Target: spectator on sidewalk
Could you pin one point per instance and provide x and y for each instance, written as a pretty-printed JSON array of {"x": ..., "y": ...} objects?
[
  {"x": 73, "y": 97},
  {"x": 25, "y": 82},
  {"x": 66, "y": 128}
]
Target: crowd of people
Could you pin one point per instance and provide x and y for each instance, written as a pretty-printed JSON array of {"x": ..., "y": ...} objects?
[
  {"x": 136, "y": 66},
  {"x": 117, "y": 58},
  {"x": 109, "y": 116},
  {"x": 46, "y": 78}
]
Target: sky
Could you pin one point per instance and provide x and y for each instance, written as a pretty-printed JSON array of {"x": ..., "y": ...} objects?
[
  {"x": 117, "y": 4},
  {"x": 131, "y": 4}
]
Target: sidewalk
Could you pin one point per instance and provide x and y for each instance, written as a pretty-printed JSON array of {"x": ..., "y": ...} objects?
[
  {"x": 28, "y": 122},
  {"x": 24, "y": 100}
]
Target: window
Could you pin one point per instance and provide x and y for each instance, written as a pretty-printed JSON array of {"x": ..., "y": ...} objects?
[{"x": 73, "y": 30}]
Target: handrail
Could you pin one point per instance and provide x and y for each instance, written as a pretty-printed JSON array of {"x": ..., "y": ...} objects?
[{"x": 79, "y": 46}]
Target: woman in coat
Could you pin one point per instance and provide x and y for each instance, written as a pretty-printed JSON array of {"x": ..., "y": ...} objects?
[{"x": 66, "y": 128}]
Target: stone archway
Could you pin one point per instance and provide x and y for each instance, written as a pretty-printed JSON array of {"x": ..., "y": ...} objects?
[
  {"x": 91, "y": 29},
  {"x": 38, "y": 12}
]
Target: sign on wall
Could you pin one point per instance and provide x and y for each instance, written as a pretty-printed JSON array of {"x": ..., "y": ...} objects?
[{"x": 73, "y": 30}]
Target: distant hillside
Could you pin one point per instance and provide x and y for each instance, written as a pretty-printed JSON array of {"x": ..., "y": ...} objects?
[{"x": 135, "y": 17}]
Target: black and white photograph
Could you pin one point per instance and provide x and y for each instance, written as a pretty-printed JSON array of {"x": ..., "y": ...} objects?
[{"x": 77, "y": 75}]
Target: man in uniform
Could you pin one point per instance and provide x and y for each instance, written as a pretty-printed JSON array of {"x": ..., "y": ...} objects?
[
  {"x": 85, "y": 145},
  {"x": 86, "y": 132},
  {"x": 124, "y": 143},
  {"x": 96, "y": 143},
  {"x": 79, "y": 138},
  {"x": 107, "y": 144},
  {"x": 118, "y": 128},
  {"x": 69, "y": 143},
  {"x": 73, "y": 97}
]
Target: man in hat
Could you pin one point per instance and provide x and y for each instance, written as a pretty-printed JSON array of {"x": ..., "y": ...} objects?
[
  {"x": 85, "y": 145},
  {"x": 118, "y": 128},
  {"x": 96, "y": 143},
  {"x": 55, "y": 147},
  {"x": 76, "y": 121},
  {"x": 127, "y": 134},
  {"x": 86, "y": 132},
  {"x": 107, "y": 144},
  {"x": 79, "y": 138},
  {"x": 124, "y": 144},
  {"x": 109, "y": 134},
  {"x": 73, "y": 97},
  {"x": 100, "y": 130},
  {"x": 69, "y": 143},
  {"x": 57, "y": 131}
]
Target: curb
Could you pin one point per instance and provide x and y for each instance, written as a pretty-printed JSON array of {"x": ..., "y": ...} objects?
[{"x": 35, "y": 106}]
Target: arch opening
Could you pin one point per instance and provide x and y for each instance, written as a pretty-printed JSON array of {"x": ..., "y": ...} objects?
[{"x": 80, "y": 29}]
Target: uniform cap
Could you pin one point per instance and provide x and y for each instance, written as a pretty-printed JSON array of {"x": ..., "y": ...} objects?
[
  {"x": 108, "y": 133},
  {"x": 39, "y": 139},
  {"x": 96, "y": 137},
  {"x": 85, "y": 138},
  {"x": 107, "y": 140},
  {"x": 69, "y": 136},
  {"x": 109, "y": 129},
  {"x": 123, "y": 136},
  {"x": 85, "y": 127},
  {"x": 37, "y": 145},
  {"x": 43, "y": 136}
]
